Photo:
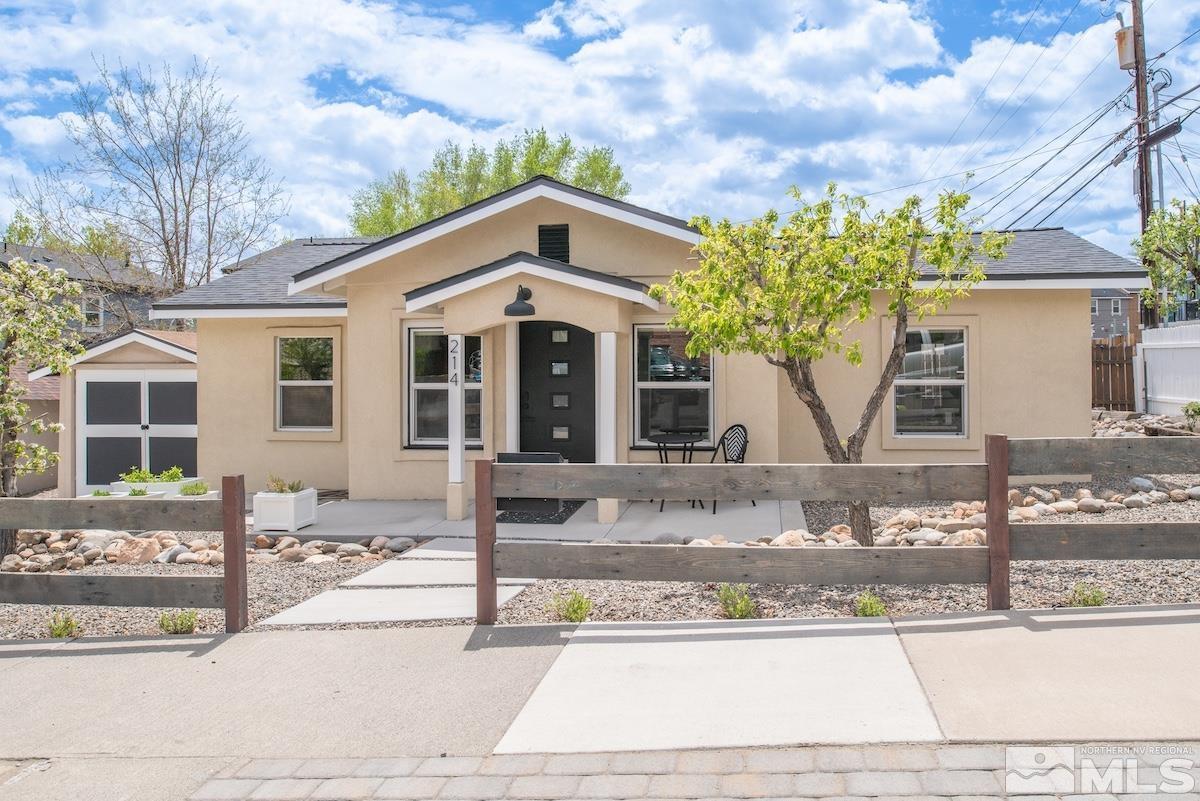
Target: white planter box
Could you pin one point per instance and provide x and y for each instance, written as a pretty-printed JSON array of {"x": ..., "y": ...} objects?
[
  {"x": 169, "y": 489},
  {"x": 120, "y": 495},
  {"x": 285, "y": 511}
]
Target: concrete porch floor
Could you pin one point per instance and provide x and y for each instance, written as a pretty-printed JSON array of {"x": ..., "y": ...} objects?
[{"x": 637, "y": 521}]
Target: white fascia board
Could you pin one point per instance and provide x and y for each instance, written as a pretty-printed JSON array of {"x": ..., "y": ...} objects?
[
  {"x": 533, "y": 192},
  {"x": 526, "y": 268},
  {"x": 1057, "y": 283},
  {"x": 247, "y": 311},
  {"x": 169, "y": 348}
]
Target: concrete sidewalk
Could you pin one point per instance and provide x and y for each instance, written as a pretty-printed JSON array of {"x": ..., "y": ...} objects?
[{"x": 346, "y": 714}]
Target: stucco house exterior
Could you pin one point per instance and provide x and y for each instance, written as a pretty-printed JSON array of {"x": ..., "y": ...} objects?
[{"x": 385, "y": 366}]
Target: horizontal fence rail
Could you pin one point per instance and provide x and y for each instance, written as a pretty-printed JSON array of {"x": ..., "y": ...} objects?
[
  {"x": 120, "y": 514},
  {"x": 228, "y": 591},
  {"x": 960, "y": 565},
  {"x": 203, "y": 592},
  {"x": 1105, "y": 541},
  {"x": 1082, "y": 455},
  {"x": 799, "y": 482}
]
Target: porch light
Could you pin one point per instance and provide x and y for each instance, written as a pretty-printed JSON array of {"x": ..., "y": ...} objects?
[{"x": 521, "y": 307}]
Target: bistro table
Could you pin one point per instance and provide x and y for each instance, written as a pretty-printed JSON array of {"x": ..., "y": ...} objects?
[{"x": 683, "y": 440}]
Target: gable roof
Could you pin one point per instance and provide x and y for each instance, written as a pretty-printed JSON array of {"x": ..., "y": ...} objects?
[
  {"x": 181, "y": 344},
  {"x": 101, "y": 269},
  {"x": 261, "y": 283},
  {"x": 1056, "y": 254},
  {"x": 539, "y": 186},
  {"x": 38, "y": 387},
  {"x": 527, "y": 263}
]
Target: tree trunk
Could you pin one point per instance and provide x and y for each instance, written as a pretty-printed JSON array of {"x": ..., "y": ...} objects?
[{"x": 860, "y": 523}]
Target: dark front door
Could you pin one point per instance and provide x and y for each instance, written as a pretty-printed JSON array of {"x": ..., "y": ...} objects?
[{"x": 558, "y": 390}]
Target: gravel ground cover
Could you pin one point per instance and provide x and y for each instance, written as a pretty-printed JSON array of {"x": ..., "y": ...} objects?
[
  {"x": 272, "y": 588},
  {"x": 1035, "y": 585}
]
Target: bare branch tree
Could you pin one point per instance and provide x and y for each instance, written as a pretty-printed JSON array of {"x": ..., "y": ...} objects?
[{"x": 163, "y": 161}]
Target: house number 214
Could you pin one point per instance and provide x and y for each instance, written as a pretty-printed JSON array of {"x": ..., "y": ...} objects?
[{"x": 454, "y": 368}]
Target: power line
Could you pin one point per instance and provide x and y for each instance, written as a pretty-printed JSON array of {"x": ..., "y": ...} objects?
[
  {"x": 982, "y": 91},
  {"x": 1177, "y": 44},
  {"x": 1078, "y": 189},
  {"x": 1063, "y": 183}
]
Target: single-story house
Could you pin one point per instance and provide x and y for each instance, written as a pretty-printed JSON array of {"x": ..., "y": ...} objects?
[{"x": 523, "y": 323}]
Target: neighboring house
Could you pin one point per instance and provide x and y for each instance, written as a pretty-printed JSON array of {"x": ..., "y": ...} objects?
[
  {"x": 1115, "y": 313},
  {"x": 385, "y": 365},
  {"x": 115, "y": 295}
]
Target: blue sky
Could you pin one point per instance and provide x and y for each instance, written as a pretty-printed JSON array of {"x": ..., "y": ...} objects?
[{"x": 712, "y": 107}]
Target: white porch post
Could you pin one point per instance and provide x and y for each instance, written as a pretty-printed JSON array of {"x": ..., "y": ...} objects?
[
  {"x": 606, "y": 417},
  {"x": 512, "y": 388},
  {"x": 456, "y": 491}
]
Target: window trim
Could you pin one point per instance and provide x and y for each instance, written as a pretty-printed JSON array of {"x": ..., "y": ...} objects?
[
  {"x": 281, "y": 383},
  {"x": 638, "y": 386},
  {"x": 1116, "y": 305},
  {"x": 963, "y": 382},
  {"x": 411, "y": 440},
  {"x": 1095, "y": 307},
  {"x": 98, "y": 302}
]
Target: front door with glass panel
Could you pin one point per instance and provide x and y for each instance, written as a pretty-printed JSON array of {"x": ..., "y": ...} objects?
[
  {"x": 558, "y": 390},
  {"x": 133, "y": 418}
]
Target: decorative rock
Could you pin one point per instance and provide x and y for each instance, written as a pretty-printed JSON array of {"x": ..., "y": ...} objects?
[
  {"x": 1030, "y": 501},
  {"x": 701, "y": 542},
  {"x": 379, "y": 542},
  {"x": 1082, "y": 492},
  {"x": 292, "y": 554},
  {"x": 718, "y": 539},
  {"x": 171, "y": 554},
  {"x": 1194, "y": 493},
  {"x": 320, "y": 559},
  {"x": 283, "y": 543},
  {"x": 1065, "y": 507},
  {"x": 402, "y": 544},
  {"x": 885, "y": 541},
  {"x": 198, "y": 545},
  {"x": 1136, "y": 501},
  {"x": 350, "y": 549},
  {"x": 972, "y": 536},
  {"x": 793, "y": 538},
  {"x": 928, "y": 536},
  {"x": 1178, "y": 495},
  {"x": 330, "y": 547},
  {"x": 850, "y": 543},
  {"x": 75, "y": 562},
  {"x": 1158, "y": 497},
  {"x": 1090, "y": 504},
  {"x": 11, "y": 563},
  {"x": 215, "y": 557},
  {"x": 1027, "y": 513},
  {"x": 263, "y": 541},
  {"x": 1113, "y": 506},
  {"x": 1014, "y": 497},
  {"x": 906, "y": 519},
  {"x": 1042, "y": 495},
  {"x": 187, "y": 558},
  {"x": 134, "y": 551},
  {"x": 1141, "y": 484}
]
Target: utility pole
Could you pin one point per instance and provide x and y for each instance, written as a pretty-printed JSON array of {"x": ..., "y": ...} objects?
[{"x": 1145, "y": 191}]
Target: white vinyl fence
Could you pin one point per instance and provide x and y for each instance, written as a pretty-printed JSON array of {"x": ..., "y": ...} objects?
[{"x": 1167, "y": 368}]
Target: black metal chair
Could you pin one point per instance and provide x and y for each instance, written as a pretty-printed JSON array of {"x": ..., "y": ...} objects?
[{"x": 732, "y": 447}]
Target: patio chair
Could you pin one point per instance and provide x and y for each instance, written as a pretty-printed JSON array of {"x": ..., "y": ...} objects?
[{"x": 732, "y": 447}]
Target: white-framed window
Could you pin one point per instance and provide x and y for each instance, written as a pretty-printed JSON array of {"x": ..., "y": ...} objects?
[
  {"x": 1095, "y": 307},
  {"x": 93, "y": 312},
  {"x": 931, "y": 387},
  {"x": 304, "y": 383},
  {"x": 429, "y": 388},
  {"x": 1116, "y": 306},
  {"x": 673, "y": 392}
]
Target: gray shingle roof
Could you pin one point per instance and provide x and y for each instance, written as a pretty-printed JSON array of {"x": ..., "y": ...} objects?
[
  {"x": 82, "y": 268},
  {"x": 263, "y": 280},
  {"x": 1109, "y": 293}
]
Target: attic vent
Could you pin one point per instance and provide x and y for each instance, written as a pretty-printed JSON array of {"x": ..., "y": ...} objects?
[{"x": 554, "y": 242}]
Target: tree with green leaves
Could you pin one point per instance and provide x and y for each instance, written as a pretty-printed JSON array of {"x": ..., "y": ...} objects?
[
  {"x": 37, "y": 310},
  {"x": 799, "y": 289},
  {"x": 458, "y": 177},
  {"x": 1170, "y": 249}
]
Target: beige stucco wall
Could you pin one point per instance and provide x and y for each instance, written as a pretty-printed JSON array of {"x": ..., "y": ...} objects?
[
  {"x": 47, "y": 410},
  {"x": 1029, "y": 363},
  {"x": 236, "y": 405}
]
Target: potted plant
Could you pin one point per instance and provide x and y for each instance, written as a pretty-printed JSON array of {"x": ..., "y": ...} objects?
[
  {"x": 198, "y": 491},
  {"x": 284, "y": 506},
  {"x": 168, "y": 482},
  {"x": 140, "y": 492}
]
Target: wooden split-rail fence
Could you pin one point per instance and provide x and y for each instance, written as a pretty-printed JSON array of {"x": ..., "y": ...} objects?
[
  {"x": 227, "y": 515},
  {"x": 1005, "y": 460}
]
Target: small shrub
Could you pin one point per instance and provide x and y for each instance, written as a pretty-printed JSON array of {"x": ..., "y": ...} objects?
[
  {"x": 101, "y": 493},
  {"x": 1191, "y": 410},
  {"x": 1084, "y": 594},
  {"x": 137, "y": 475},
  {"x": 868, "y": 604},
  {"x": 573, "y": 608},
  {"x": 181, "y": 622},
  {"x": 63, "y": 624},
  {"x": 170, "y": 474},
  {"x": 195, "y": 488},
  {"x": 137, "y": 492},
  {"x": 736, "y": 602},
  {"x": 277, "y": 484}
]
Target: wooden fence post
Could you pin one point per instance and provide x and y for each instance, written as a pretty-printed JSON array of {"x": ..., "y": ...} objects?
[
  {"x": 485, "y": 541},
  {"x": 233, "y": 515},
  {"x": 995, "y": 451}
]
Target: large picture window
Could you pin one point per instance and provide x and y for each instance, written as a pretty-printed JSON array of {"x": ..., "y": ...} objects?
[
  {"x": 429, "y": 388},
  {"x": 672, "y": 391},
  {"x": 931, "y": 387},
  {"x": 304, "y": 383}
]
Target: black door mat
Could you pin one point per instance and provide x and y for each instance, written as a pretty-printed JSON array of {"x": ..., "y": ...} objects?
[{"x": 558, "y": 518}]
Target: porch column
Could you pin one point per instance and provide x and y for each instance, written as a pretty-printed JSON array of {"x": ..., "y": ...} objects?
[
  {"x": 456, "y": 490},
  {"x": 512, "y": 388},
  {"x": 606, "y": 417}
]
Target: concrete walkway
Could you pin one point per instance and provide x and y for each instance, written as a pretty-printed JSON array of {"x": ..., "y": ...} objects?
[{"x": 783, "y": 708}]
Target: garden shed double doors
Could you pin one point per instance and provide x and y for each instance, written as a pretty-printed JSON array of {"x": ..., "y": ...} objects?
[{"x": 133, "y": 418}]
